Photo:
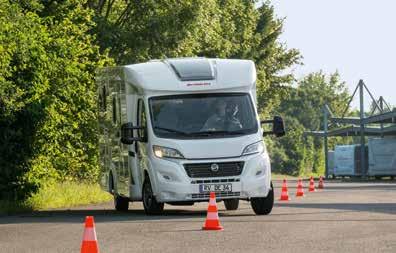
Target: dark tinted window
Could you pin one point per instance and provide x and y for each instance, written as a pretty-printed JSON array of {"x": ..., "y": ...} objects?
[
  {"x": 114, "y": 110},
  {"x": 203, "y": 115}
]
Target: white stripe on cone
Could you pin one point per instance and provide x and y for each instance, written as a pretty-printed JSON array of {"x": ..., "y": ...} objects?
[
  {"x": 89, "y": 234},
  {"x": 212, "y": 216}
]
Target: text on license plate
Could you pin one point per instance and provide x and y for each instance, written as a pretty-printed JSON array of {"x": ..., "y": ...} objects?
[{"x": 215, "y": 188}]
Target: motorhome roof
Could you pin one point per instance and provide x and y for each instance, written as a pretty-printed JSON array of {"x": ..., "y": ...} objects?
[
  {"x": 191, "y": 74},
  {"x": 192, "y": 69}
]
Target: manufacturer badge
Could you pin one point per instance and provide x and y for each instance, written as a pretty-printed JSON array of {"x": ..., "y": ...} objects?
[{"x": 214, "y": 167}]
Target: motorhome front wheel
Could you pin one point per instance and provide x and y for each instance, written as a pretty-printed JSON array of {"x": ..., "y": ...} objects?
[{"x": 263, "y": 206}]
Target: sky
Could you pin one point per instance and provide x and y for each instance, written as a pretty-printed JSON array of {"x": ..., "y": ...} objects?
[{"x": 355, "y": 37}]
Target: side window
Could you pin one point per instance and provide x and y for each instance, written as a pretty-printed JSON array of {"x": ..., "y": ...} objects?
[
  {"x": 141, "y": 118},
  {"x": 104, "y": 96},
  {"x": 114, "y": 110}
]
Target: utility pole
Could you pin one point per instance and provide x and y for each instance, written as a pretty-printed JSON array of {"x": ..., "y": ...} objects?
[
  {"x": 362, "y": 138},
  {"x": 326, "y": 149},
  {"x": 381, "y": 101}
]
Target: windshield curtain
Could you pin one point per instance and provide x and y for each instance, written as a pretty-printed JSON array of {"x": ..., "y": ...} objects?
[{"x": 203, "y": 115}]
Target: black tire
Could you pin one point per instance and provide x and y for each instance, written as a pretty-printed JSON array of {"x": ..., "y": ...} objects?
[
  {"x": 150, "y": 204},
  {"x": 263, "y": 206},
  {"x": 231, "y": 204},
  {"x": 121, "y": 203}
]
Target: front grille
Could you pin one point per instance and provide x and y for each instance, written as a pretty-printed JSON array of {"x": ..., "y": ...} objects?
[
  {"x": 218, "y": 195},
  {"x": 209, "y": 181},
  {"x": 200, "y": 170}
]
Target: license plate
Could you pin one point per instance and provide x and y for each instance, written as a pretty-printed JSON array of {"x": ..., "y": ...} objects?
[{"x": 215, "y": 188}]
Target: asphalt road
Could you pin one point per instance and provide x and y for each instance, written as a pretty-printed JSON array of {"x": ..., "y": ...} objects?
[{"x": 344, "y": 217}]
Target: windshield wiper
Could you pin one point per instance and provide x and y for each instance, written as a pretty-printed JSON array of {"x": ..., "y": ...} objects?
[
  {"x": 209, "y": 133},
  {"x": 171, "y": 130},
  {"x": 201, "y": 133}
]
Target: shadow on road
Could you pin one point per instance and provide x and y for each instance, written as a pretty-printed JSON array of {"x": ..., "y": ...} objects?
[
  {"x": 341, "y": 185},
  {"x": 104, "y": 214},
  {"x": 362, "y": 187},
  {"x": 78, "y": 216},
  {"x": 387, "y": 208}
]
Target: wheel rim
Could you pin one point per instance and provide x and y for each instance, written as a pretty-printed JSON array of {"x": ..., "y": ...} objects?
[{"x": 148, "y": 195}]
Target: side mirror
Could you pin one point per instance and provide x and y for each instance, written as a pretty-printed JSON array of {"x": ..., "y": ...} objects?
[
  {"x": 127, "y": 133},
  {"x": 278, "y": 127}
]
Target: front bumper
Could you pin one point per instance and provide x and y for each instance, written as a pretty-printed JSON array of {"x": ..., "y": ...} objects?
[{"x": 172, "y": 184}]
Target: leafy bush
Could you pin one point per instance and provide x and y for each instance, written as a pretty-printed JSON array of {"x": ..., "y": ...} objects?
[{"x": 47, "y": 97}]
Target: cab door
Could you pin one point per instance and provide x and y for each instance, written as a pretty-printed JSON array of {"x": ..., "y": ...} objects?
[
  {"x": 141, "y": 146},
  {"x": 135, "y": 186}
]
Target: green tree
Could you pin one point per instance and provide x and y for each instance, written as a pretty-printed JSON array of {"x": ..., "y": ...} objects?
[
  {"x": 47, "y": 96},
  {"x": 137, "y": 31},
  {"x": 303, "y": 110},
  {"x": 49, "y": 56}
]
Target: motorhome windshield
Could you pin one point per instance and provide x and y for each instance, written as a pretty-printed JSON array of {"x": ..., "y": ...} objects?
[{"x": 203, "y": 115}]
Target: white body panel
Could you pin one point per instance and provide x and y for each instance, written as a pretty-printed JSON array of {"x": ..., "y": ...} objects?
[
  {"x": 157, "y": 77},
  {"x": 382, "y": 157},
  {"x": 169, "y": 179},
  {"x": 173, "y": 184}
]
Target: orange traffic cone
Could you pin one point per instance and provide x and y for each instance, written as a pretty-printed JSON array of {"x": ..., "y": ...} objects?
[
  {"x": 300, "y": 189},
  {"x": 284, "y": 195},
  {"x": 212, "y": 219},
  {"x": 311, "y": 185},
  {"x": 89, "y": 243},
  {"x": 320, "y": 185}
]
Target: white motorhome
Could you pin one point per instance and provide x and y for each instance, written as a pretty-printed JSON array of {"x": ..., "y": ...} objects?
[{"x": 174, "y": 130}]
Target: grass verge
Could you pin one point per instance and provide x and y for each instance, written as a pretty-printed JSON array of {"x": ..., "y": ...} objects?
[
  {"x": 277, "y": 176},
  {"x": 60, "y": 195}
]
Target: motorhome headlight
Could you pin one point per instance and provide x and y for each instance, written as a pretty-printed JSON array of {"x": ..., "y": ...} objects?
[
  {"x": 255, "y": 148},
  {"x": 164, "y": 152}
]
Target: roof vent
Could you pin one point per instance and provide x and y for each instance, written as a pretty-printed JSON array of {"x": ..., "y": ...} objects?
[{"x": 192, "y": 69}]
